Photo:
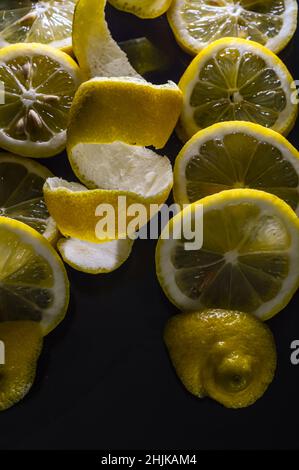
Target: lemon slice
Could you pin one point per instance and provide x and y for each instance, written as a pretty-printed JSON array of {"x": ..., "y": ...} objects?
[
  {"x": 94, "y": 258},
  {"x": 249, "y": 260},
  {"x": 226, "y": 355},
  {"x": 237, "y": 155},
  {"x": 95, "y": 49},
  {"x": 34, "y": 285},
  {"x": 196, "y": 23},
  {"x": 39, "y": 84},
  {"x": 46, "y": 22},
  {"x": 21, "y": 194},
  {"x": 136, "y": 174},
  {"x": 132, "y": 111},
  {"x": 23, "y": 343},
  {"x": 237, "y": 80},
  {"x": 142, "y": 8}
]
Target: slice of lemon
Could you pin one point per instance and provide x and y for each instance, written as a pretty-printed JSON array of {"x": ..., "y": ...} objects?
[
  {"x": 237, "y": 155},
  {"x": 249, "y": 260},
  {"x": 39, "y": 84},
  {"x": 142, "y": 8},
  {"x": 95, "y": 49},
  {"x": 196, "y": 23},
  {"x": 237, "y": 80},
  {"x": 136, "y": 174},
  {"x": 226, "y": 355},
  {"x": 47, "y": 22},
  {"x": 94, "y": 258},
  {"x": 22, "y": 342},
  {"x": 132, "y": 111},
  {"x": 34, "y": 284},
  {"x": 21, "y": 194}
]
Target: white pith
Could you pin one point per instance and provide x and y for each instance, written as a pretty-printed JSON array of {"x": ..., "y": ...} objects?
[
  {"x": 122, "y": 167},
  {"x": 95, "y": 257}
]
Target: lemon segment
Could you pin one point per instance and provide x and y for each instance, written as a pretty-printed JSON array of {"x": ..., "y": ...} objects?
[
  {"x": 237, "y": 80},
  {"x": 249, "y": 259},
  {"x": 46, "y": 22},
  {"x": 142, "y": 8},
  {"x": 113, "y": 171},
  {"x": 33, "y": 280},
  {"x": 102, "y": 112},
  {"x": 227, "y": 355},
  {"x": 39, "y": 84},
  {"x": 197, "y": 23},
  {"x": 23, "y": 343},
  {"x": 95, "y": 49},
  {"x": 237, "y": 155},
  {"x": 94, "y": 258},
  {"x": 21, "y": 194}
]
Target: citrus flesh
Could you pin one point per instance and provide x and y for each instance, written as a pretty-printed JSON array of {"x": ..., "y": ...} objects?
[
  {"x": 21, "y": 194},
  {"x": 248, "y": 260},
  {"x": 227, "y": 355},
  {"x": 34, "y": 284},
  {"x": 46, "y": 22},
  {"x": 197, "y": 23},
  {"x": 22, "y": 341},
  {"x": 237, "y": 80},
  {"x": 39, "y": 84},
  {"x": 237, "y": 155}
]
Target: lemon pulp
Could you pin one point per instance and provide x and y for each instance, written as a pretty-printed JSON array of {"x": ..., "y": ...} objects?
[
  {"x": 21, "y": 193},
  {"x": 46, "y": 22},
  {"x": 237, "y": 86}
]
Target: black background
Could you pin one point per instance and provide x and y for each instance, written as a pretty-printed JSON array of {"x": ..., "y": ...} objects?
[{"x": 104, "y": 380}]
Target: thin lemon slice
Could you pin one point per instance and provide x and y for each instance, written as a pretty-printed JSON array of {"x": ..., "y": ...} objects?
[
  {"x": 47, "y": 22},
  {"x": 249, "y": 260},
  {"x": 39, "y": 84},
  {"x": 142, "y": 8},
  {"x": 237, "y": 155},
  {"x": 196, "y": 23},
  {"x": 94, "y": 258},
  {"x": 21, "y": 194},
  {"x": 118, "y": 175},
  {"x": 33, "y": 280},
  {"x": 132, "y": 111},
  {"x": 237, "y": 80},
  {"x": 229, "y": 356},
  {"x": 95, "y": 49},
  {"x": 22, "y": 342}
]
